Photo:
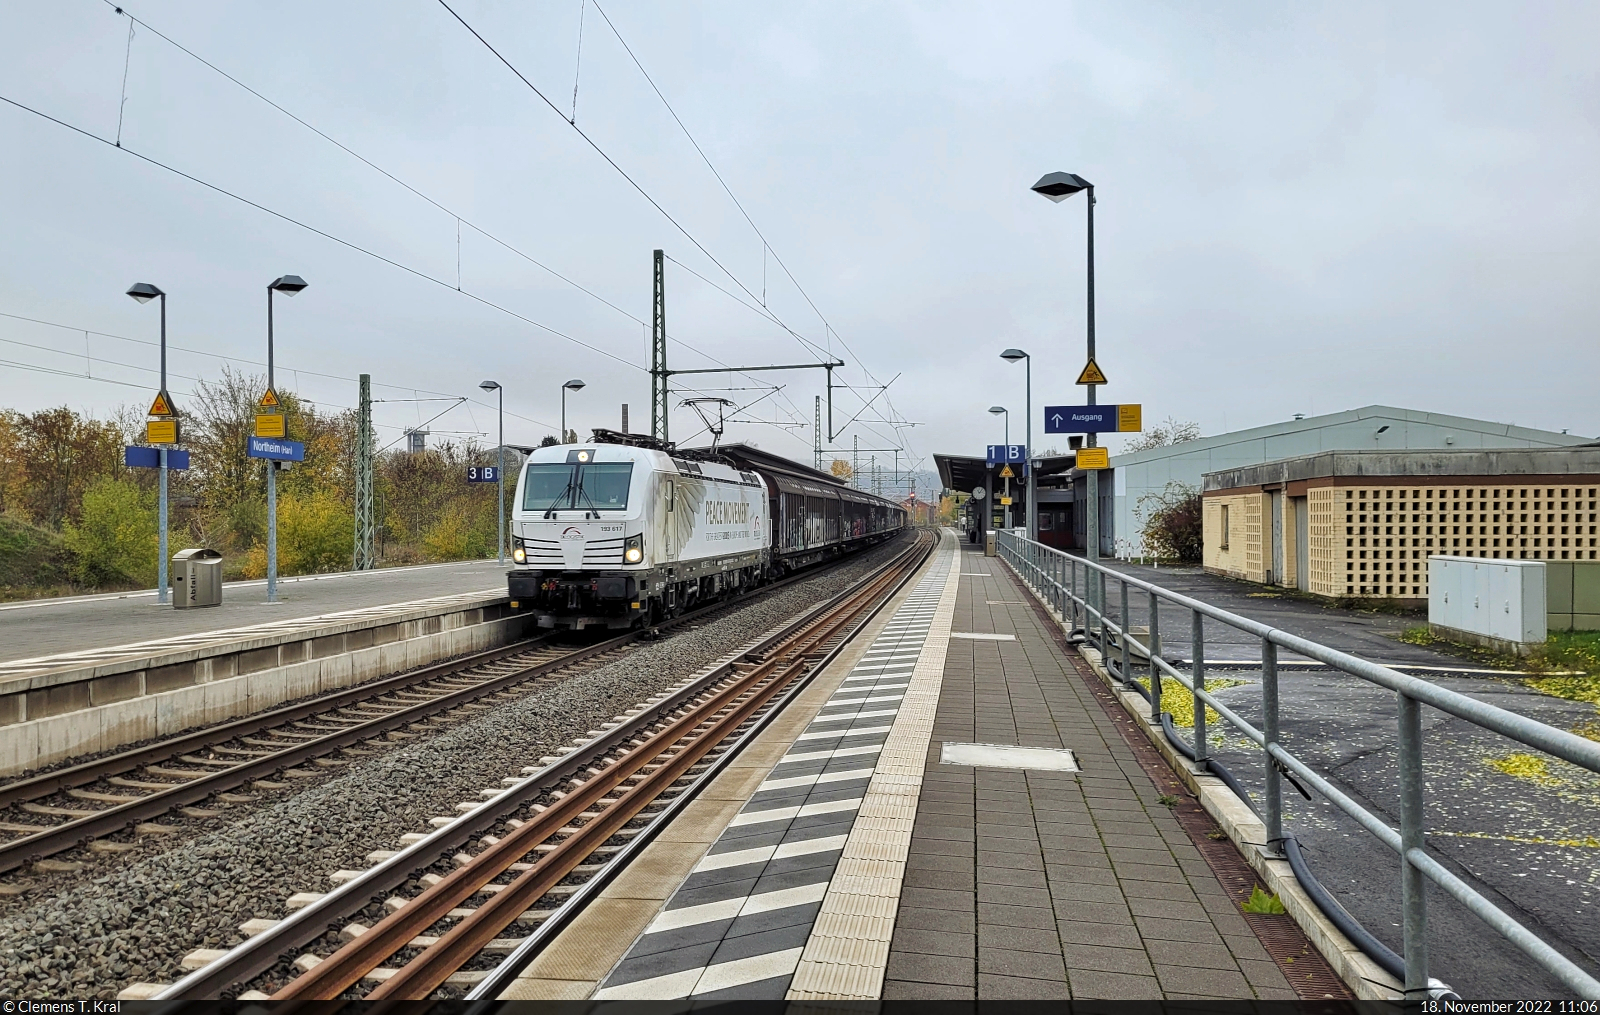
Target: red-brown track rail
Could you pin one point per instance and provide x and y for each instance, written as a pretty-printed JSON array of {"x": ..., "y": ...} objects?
[{"x": 606, "y": 785}]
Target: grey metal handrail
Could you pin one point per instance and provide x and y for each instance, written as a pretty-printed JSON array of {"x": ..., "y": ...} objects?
[{"x": 1054, "y": 577}]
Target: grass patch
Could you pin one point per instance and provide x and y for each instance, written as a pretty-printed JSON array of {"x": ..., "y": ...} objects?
[
  {"x": 1176, "y": 699},
  {"x": 33, "y": 562},
  {"x": 1566, "y": 651},
  {"x": 1570, "y": 650},
  {"x": 1417, "y": 636}
]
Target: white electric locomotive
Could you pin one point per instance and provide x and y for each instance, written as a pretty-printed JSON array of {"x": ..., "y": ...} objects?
[{"x": 626, "y": 530}]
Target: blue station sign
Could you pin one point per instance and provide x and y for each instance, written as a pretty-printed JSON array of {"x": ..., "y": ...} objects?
[
  {"x": 137, "y": 457},
  {"x": 277, "y": 449},
  {"x": 483, "y": 474},
  {"x": 1007, "y": 454},
  {"x": 1093, "y": 418}
]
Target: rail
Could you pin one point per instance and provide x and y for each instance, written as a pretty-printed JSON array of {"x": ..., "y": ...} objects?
[
  {"x": 1076, "y": 589},
  {"x": 604, "y": 784},
  {"x": 147, "y": 782}
]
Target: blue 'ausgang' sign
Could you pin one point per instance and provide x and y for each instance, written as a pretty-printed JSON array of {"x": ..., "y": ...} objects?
[
  {"x": 277, "y": 449},
  {"x": 483, "y": 474},
  {"x": 1080, "y": 419},
  {"x": 1006, "y": 454}
]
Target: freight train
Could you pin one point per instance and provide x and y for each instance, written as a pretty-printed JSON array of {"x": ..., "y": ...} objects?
[{"x": 627, "y": 530}]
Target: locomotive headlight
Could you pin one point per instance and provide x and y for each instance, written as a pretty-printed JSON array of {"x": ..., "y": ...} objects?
[
  {"x": 519, "y": 550},
  {"x": 633, "y": 549}
]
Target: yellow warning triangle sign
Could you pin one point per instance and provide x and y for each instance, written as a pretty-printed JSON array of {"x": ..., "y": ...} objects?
[
  {"x": 162, "y": 406},
  {"x": 269, "y": 400},
  {"x": 1092, "y": 374},
  {"x": 1006, "y": 473}
]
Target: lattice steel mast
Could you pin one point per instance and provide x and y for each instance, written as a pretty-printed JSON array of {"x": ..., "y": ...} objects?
[
  {"x": 365, "y": 559},
  {"x": 659, "y": 406}
]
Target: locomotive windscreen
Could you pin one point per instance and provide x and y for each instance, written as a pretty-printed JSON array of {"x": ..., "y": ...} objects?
[
  {"x": 564, "y": 486},
  {"x": 604, "y": 485}
]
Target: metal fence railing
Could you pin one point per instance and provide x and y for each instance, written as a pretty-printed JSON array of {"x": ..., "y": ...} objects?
[{"x": 1076, "y": 590}]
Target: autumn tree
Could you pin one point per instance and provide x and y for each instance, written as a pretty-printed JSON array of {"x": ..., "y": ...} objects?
[{"x": 1172, "y": 431}]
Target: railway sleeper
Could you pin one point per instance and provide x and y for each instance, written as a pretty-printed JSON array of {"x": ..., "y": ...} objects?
[
  {"x": 57, "y": 812},
  {"x": 186, "y": 775},
  {"x": 102, "y": 798}
]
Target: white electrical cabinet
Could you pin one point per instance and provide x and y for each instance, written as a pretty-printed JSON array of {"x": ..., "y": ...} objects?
[{"x": 1495, "y": 602}]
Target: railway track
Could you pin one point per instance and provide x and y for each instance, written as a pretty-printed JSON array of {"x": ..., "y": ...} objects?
[
  {"x": 200, "y": 773},
  {"x": 477, "y": 898}
]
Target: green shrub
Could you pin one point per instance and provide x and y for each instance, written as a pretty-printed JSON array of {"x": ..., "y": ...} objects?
[
  {"x": 316, "y": 533},
  {"x": 115, "y": 541}
]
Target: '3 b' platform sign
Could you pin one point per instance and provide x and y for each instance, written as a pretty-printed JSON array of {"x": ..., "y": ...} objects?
[{"x": 483, "y": 474}]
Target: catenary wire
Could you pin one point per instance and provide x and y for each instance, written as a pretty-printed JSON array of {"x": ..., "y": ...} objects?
[
  {"x": 356, "y": 247},
  {"x": 233, "y": 360},
  {"x": 601, "y": 152},
  {"x": 460, "y": 220},
  {"x": 766, "y": 246}
]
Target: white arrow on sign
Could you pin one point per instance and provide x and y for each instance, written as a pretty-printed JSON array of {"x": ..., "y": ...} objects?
[{"x": 1056, "y": 418}]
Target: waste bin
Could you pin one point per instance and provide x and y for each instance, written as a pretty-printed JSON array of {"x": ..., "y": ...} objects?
[
  {"x": 196, "y": 578},
  {"x": 989, "y": 549}
]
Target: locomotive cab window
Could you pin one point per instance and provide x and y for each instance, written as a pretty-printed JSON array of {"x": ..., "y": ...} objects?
[
  {"x": 604, "y": 485},
  {"x": 563, "y": 486},
  {"x": 547, "y": 486}
]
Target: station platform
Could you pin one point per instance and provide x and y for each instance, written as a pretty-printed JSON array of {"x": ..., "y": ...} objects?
[
  {"x": 41, "y": 627},
  {"x": 133, "y": 670},
  {"x": 879, "y": 841}
]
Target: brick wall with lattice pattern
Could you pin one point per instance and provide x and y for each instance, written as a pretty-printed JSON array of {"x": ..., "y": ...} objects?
[
  {"x": 1255, "y": 554},
  {"x": 1389, "y": 532},
  {"x": 1326, "y": 539}
]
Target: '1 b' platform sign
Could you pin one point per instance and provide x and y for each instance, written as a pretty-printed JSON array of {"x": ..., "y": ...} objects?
[
  {"x": 483, "y": 474},
  {"x": 1005, "y": 454}
]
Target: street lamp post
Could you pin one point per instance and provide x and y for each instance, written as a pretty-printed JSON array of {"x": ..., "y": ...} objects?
[
  {"x": 500, "y": 473},
  {"x": 1058, "y": 187},
  {"x": 144, "y": 292},
  {"x": 1011, "y": 356},
  {"x": 288, "y": 285},
  {"x": 997, "y": 410},
  {"x": 572, "y": 385}
]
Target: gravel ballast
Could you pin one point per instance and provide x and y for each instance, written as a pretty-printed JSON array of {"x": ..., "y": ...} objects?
[{"x": 133, "y": 917}]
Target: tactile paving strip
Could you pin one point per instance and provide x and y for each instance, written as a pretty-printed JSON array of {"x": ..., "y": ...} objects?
[{"x": 848, "y": 950}]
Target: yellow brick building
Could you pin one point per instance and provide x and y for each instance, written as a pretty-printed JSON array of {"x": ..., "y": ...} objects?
[{"x": 1364, "y": 523}]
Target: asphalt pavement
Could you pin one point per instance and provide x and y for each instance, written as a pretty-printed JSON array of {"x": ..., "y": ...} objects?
[
  {"x": 40, "y": 627},
  {"x": 1530, "y": 842}
]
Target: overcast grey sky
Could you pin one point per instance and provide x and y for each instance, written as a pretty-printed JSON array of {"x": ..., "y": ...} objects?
[{"x": 1303, "y": 208}]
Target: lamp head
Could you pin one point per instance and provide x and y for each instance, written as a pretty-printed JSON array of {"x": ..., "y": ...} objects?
[
  {"x": 1013, "y": 355},
  {"x": 288, "y": 284},
  {"x": 144, "y": 292},
  {"x": 574, "y": 384},
  {"x": 1060, "y": 186},
  {"x": 490, "y": 385},
  {"x": 998, "y": 409}
]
